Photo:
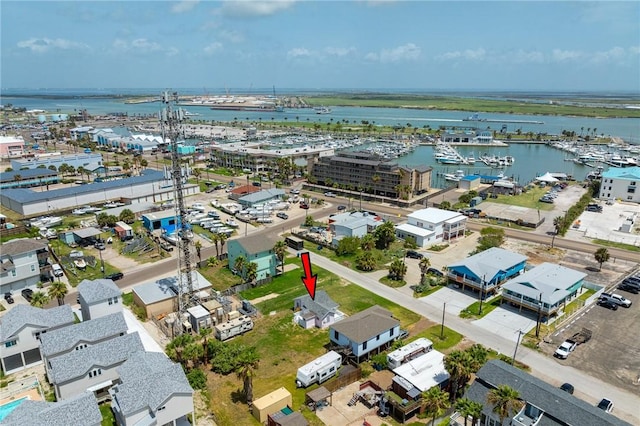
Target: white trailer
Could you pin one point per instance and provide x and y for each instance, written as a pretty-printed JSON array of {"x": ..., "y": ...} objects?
[
  {"x": 408, "y": 352},
  {"x": 319, "y": 370},
  {"x": 234, "y": 327}
]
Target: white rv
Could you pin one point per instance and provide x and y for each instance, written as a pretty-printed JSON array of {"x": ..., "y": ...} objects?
[
  {"x": 408, "y": 352},
  {"x": 319, "y": 370},
  {"x": 233, "y": 327}
]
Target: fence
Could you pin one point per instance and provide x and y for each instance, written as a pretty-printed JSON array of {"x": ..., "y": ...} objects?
[
  {"x": 348, "y": 374},
  {"x": 8, "y": 232}
]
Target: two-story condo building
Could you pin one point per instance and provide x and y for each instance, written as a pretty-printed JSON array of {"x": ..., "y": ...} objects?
[
  {"x": 256, "y": 249},
  {"x": 431, "y": 226},
  {"x": 20, "y": 330},
  {"x": 23, "y": 262},
  {"x": 366, "y": 333},
  {"x": 621, "y": 183}
]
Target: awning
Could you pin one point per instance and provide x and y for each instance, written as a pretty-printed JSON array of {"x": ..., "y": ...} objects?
[
  {"x": 100, "y": 386},
  {"x": 319, "y": 394}
]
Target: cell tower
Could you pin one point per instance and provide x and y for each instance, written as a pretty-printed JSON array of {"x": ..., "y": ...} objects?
[{"x": 171, "y": 120}]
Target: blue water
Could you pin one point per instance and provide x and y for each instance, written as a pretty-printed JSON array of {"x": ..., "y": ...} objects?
[{"x": 7, "y": 408}]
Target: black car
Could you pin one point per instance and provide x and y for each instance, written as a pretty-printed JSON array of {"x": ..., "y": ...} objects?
[
  {"x": 630, "y": 288},
  {"x": 567, "y": 387},
  {"x": 8, "y": 298},
  {"x": 115, "y": 276},
  {"x": 634, "y": 281},
  {"x": 27, "y": 293},
  {"x": 608, "y": 304},
  {"x": 282, "y": 215},
  {"x": 414, "y": 254},
  {"x": 434, "y": 271},
  {"x": 342, "y": 207}
]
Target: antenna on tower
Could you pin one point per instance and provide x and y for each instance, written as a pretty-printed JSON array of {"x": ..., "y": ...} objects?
[{"x": 171, "y": 120}]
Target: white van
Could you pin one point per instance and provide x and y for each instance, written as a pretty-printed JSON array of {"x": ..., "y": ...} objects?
[{"x": 57, "y": 270}]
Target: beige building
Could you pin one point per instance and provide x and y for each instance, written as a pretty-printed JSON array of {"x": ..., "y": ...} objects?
[{"x": 270, "y": 404}]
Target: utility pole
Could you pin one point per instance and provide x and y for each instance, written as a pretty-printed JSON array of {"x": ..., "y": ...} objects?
[
  {"x": 520, "y": 333},
  {"x": 171, "y": 123},
  {"x": 538, "y": 322},
  {"x": 482, "y": 293},
  {"x": 444, "y": 307}
]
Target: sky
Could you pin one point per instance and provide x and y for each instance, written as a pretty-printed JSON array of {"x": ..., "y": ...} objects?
[{"x": 358, "y": 44}]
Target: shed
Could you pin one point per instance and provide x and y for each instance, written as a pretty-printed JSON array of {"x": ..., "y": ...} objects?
[
  {"x": 475, "y": 201},
  {"x": 271, "y": 403},
  {"x": 123, "y": 230},
  {"x": 199, "y": 318},
  {"x": 469, "y": 182}
]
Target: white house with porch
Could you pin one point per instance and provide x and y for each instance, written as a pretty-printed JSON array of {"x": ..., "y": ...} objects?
[{"x": 431, "y": 226}]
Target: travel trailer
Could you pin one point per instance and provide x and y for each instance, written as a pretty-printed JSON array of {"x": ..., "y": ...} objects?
[{"x": 319, "y": 370}]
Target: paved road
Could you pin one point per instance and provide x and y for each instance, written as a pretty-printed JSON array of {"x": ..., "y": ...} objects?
[{"x": 591, "y": 389}]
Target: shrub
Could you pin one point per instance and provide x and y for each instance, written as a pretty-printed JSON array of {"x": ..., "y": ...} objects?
[{"x": 197, "y": 379}]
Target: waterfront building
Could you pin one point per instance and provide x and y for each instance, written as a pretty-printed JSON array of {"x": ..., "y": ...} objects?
[
  {"x": 11, "y": 147},
  {"x": 129, "y": 141},
  {"x": 480, "y": 137},
  {"x": 621, "y": 183},
  {"x": 255, "y": 157},
  {"x": 56, "y": 159},
  {"x": 430, "y": 226},
  {"x": 354, "y": 170}
]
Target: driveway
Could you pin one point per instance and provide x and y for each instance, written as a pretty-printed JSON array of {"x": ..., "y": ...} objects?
[
  {"x": 455, "y": 299},
  {"x": 506, "y": 322}
]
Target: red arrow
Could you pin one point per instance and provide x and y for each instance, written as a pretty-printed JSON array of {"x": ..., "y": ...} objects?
[{"x": 308, "y": 279}]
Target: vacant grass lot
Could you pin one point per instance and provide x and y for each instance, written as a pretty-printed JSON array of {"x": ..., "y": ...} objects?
[
  {"x": 382, "y": 257},
  {"x": 528, "y": 199},
  {"x": 75, "y": 275}
]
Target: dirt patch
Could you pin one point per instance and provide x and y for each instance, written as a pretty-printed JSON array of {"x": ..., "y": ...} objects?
[{"x": 420, "y": 326}]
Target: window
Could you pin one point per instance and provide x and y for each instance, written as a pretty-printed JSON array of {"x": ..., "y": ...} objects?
[
  {"x": 336, "y": 335},
  {"x": 10, "y": 343},
  {"x": 13, "y": 273},
  {"x": 33, "y": 268},
  {"x": 95, "y": 373},
  {"x": 113, "y": 300},
  {"x": 391, "y": 332},
  {"x": 378, "y": 337},
  {"x": 364, "y": 345}
]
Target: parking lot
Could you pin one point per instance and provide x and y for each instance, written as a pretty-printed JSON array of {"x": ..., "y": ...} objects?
[{"x": 613, "y": 353}]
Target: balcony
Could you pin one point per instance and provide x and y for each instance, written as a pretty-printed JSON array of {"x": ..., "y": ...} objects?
[{"x": 529, "y": 415}]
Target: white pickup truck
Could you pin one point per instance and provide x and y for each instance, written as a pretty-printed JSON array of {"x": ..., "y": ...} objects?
[{"x": 565, "y": 349}]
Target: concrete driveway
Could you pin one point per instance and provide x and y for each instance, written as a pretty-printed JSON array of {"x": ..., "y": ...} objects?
[
  {"x": 506, "y": 321},
  {"x": 455, "y": 299}
]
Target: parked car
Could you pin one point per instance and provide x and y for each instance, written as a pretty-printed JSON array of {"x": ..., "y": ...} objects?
[
  {"x": 414, "y": 254},
  {"x": 304, "y": 206},
  {"x": 294, "y": 191},
  {"x": 115, "y": 276},
  {"x": 606, "y": 405},
  {"x": 616, "y": 298},
  {"x": 632, "y": 280},
  {"x": 628, "y": 287},
  {"x": 100, "y": 246},
  {"x": 594, "y": 208},
  {"x": 565, "y": 349},
  {"x": 436, "y": 272},
  {"x": 546, "y": 199},
  {"x": 27, "y": 293},
  {"x": 282, "y": 215},
  {"x": 329, "y": 194},
  {"x": 607, "y": 304},
  {"x": 567, "y": 387},
  {"x": 8, "y": 298},
  {"x": 342, "y": 207},
  {"x": 57, "y": 270}
]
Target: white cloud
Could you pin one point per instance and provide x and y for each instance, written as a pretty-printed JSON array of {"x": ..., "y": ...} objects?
[
  {"x": 339, "y": 51},
  {"x": 524, "y": 57},
  {"x": 407, "y": 52},
  {"x": 558, "y": 55},
  {"x": 213, "y": 48},
  {"x": 184, "y": 6},
  {"x": 231, "y": 35},
  {"x": 42, "y": 45},
  {"x": 467, "y": 54},
  {"x": 251, "y": 8},
  {"x": 298, "y": 52},
  {"x": 143, "y": 46}
]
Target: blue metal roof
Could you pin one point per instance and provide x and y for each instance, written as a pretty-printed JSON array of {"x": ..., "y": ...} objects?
[
  {"x": 627, "y": 173},
  {"x": 26, "y": 174},
  {"x": 22, "y": 195}
]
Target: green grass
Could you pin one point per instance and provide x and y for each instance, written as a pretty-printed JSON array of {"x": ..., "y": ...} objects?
[
  {"x": 628, "y": 247},
  {"x": 127, "y": 299},
  {"x": 61, "y": 249},
  {"x": 528, "y": 199},
  {"x": 108, "y": 419},
  {"x": 382, "y": 257},
  {"x": 434, "y": 333},
  {"x": 473, "y": 310},
  {"x": 392, "y": 283},
  {"x": 220, "y": 276}
]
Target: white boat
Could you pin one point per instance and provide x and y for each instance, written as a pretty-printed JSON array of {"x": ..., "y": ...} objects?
[
  {"x": 80, "y": 263},
  {"x": 49, "y": 234},
  {"x": 450, "y": 177},
  {"x": 323, "y": 110},
  {"x": 231, "y": 223},
  {"x": 46, "y": 222}
]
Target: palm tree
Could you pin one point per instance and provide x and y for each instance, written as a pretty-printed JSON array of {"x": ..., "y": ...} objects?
[
  {"x": 215, "y": 239},
  {"x": 397, "y": 270},
  {"x": 240, "y": 264},
  {"x": 458, "y": 364},
  {"x": 246, "y": 371},
  {"x": 469, "y": 408},
  {"x": 222, "y": 238},
  {"x": 197, "y": 173},
  {"x": 558, "y": 224},
  {"x": 368, "y": 242},
  {"x": 434, "y": 401},
  {"x": 505, "y": 400},
  {"x": 280, "y": 249},
  {"x": 58, "y": 290},
  {"x": 39, "y": 299},
  {"x": 252, "y": 272},
  {"x": 204, "y": 333},
  {"x": 424, "y": 264},
  {"x": 602, "y": 255},
  {"x": 198, "y": 246},
  {"x": 366, "y": 261}
]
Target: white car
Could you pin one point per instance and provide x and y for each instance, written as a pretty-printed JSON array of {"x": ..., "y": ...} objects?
[
  {"x": 565, "y": 349},
  {"x": 617, "y": 299}
]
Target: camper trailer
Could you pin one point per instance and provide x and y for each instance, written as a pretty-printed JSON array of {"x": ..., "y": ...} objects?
[
  {"x": 319, "y": 370},
  {"x": 408, "y": 352},
  {"x": 233, "y": 327}
]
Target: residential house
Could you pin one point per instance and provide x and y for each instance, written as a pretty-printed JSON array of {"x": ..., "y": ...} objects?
[
  {"x": 161, "y": 296},
  {"x": 485, "y": 271},
  {"x": 366, "y": 333},
  {"x": 257, "y": 249},
  {"x": 320, "y": 312},
  {"x": 92, "y": 368},
  {"x": 81, "y": 410},
  {"x": 354, "y": 224},
  {"x": 152, "y": 391},
  {"x": 544, "y": 404},
  {"x": 621, "y": 183},
  {"x": 82, "y": 335},
  {"x": 99, "y": 298},
  {"x": 431, "y": 226},
  {"x": 23, "y": 262},
  {"x": 547, "y": 288},
  {"x": 20, "y": 330}
]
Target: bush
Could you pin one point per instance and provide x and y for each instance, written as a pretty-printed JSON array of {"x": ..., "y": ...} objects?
[
  {"x": 348, "y": 245},
  {"x": 197, "y": 379}
]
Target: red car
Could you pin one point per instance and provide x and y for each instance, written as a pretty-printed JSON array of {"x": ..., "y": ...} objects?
[{"x": 304, "y": 206}]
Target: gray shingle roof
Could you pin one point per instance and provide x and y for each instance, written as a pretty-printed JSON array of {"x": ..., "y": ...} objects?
[
  {"x": 547, "y": 279},
  {"x": 98, "y": 290},
  {"x": 25, "y": 315},
  {"x": 103, "y": 355},
  {"x": 489, "y": 262},
  {"x": 81, "y": 410},
  {"x": 321, "y": 306},
  {"x": 148, "y": 380},
  {"x": 22, "y": 195},
  {"x": 366, "y": 324},
  {"x": 19, "y": 246},
  {"x": 560, "y": 407},
  {"x": 66, "y": 338},
  {"x": 256, "y": 244}
]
